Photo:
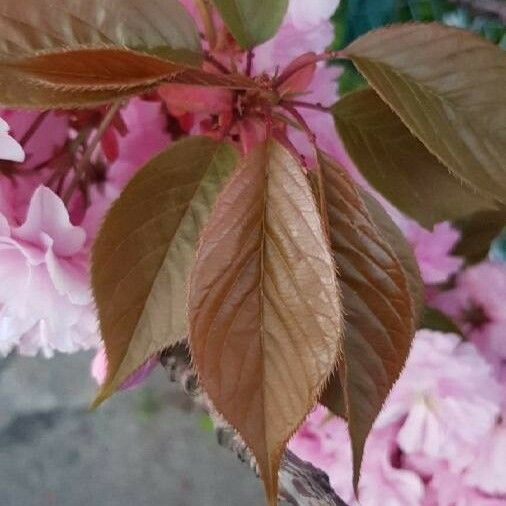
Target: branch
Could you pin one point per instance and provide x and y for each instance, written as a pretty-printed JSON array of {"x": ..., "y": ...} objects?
[
  {"x": 494, "y": 9},
  {"x": 300, "y": 483}
]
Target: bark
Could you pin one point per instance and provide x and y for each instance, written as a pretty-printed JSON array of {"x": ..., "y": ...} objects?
[{"x": 300, "y": 483}]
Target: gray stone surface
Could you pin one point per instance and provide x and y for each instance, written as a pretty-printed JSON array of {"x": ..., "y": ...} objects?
[{"x": 142, "y": 448}]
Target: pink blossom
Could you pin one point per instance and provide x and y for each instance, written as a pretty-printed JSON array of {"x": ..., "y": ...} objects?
[
  {"x": 450, "y": 489},
  {"x": 445, "y": 385},
  {"x": 10, "y": 149},
  {"x": 45, "y": 141},
  {"x": 383, "y": 481},
  {"x": 147, "y": 135},
  {"x": 432, "y": 248},
  {"x": 303, "y": 30},
  {"x": 45, "y": 302},
  {"x": 477, "y": 304},
  {"x": 487, "y": 463},
  {"x": 324, "y": 441},
  {"x": 99, "y": 370}
]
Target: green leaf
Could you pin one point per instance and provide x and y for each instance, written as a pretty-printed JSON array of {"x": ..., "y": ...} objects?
[
  {"x": 379, "y": 309},
  {"x": 264, "y": 305},
  {"x": 447, "y": 86},
  {"x": 398, "y": 165},
  {"x": 252, "y": 22},
  {"x": 146, "y": 249},
  {"x": 477, "y": 233},
  {"x": 32, "y": 32},
  {"x": 434, "y": 319}
]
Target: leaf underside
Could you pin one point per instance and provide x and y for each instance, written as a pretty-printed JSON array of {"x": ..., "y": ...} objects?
[
  {"x": 452, "y": 97},
  {"x": 398, "y": 165},
  {"x": 264, "y": 306},
  {"x": 146, "y": 249}
]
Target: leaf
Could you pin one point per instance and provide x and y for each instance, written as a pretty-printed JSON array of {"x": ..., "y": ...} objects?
[
  {"x": 298, "y": 75},
  {"x": 379, "y": 310},
  {"x": 447, "y": 86},
  {"x": 96, "y": 68},
  {"x": 29, "y": 36},
  {"x": 398, "y": 165},
  {"x": 158, "y": 27},
  {"x": 477, "y": 233},
  {"x": 433, "y": 319},
  {"x": 264, "y": 305},
  {"x": 252, "y": 22},
  {"x": 146, "y": 249},
  {"x": 403, "y": 250},
  {"x": 18, "y": 91}
]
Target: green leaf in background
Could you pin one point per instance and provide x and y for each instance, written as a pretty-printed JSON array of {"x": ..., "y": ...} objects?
[
  {"x": 477, "y": 233},
  {"x": 252, "y": 22},
  {"x": 453, "y": 98},
  {"x": 145, "y": 251},
  {"x": 433, "y": 319},
  {"x": 398, "y": 165}
]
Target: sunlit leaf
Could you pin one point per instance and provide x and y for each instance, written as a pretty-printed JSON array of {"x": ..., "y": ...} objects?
[
  {"x": 146, "y": 249},
  {"x": 379, "y": 309},
  {"x": 264, "y": 305},
  {"x": 447, "y": 86},
  {"x": 398, "y": 165},
  {"x": 252, "y": 22}
]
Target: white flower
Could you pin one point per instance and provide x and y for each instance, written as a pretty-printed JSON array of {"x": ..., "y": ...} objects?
[{"x": 10, "y": 149}]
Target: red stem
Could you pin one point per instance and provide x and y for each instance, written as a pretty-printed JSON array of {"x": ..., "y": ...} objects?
[
  {"x": 33, "y": 128},
  {"x": 329, "y": 55},
  {"x": 249, "y": 62},
  {"x": 306, "y": 105},
  {"x": 216, "y": 63}
]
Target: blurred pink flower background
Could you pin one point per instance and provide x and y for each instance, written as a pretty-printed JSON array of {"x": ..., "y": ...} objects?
[{"x": 441, "y": 436}]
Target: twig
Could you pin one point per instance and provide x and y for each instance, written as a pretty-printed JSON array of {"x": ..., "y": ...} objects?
[
  {"x": 495, "y": 9},
  {"x": 34, "y": 127},
  {"x": 208, "y": 57},
  {"x": 86, "y": 158},
  {"x": 308, "y": 105},
  {"x": 249, "y": 62},
  {"x": 300, "y": 483}
]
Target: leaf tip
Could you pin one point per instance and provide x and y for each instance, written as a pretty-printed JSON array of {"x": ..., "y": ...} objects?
[{"x": 102, "y": 395}]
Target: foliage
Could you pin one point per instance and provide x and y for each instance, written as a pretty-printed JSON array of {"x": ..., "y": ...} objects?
[
  {"x": 290, "y": 283},
  {"x": 354, "y": 18}
]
